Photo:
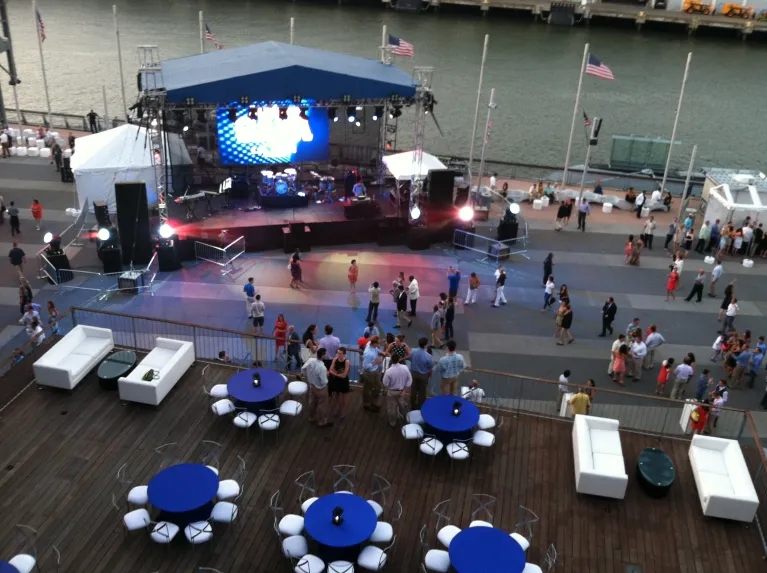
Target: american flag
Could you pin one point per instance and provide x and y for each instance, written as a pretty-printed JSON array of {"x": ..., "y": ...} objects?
[
  {"x": 596, "y": 68},
  {"x": 40, "y": 26},
  {"x": 586, "y": 120},
  {"x": 211, "y": 38},
  {"x": 400, "y": 47}
]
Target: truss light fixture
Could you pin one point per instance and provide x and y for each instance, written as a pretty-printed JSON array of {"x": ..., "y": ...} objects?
[
  {"x": 189, "y": 101},
  {"x": 350, "y": 117},
  {"x": 378, "y": 112},
  {"x": 395, "y": 112},
  {"x": 347, "y": 99},
  {"x": 296, "y": 99},
  {"x": 332, "y": 114},
  {"x": 244, "y": 100}
]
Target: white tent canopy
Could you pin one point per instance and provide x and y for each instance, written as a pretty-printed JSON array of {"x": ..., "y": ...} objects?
[
  {"x": 401, "y": 165},
  {"x": 122, "y": 154}
]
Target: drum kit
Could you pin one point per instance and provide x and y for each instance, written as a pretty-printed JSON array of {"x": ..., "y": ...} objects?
[{"x": 282, "y": 183}]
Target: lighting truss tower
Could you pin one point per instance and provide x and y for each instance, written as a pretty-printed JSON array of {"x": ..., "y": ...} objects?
[
  {"x": 153, "y": 98},
  {"x": 422, "y": 77},
  {"x": 382, "y": 137}
]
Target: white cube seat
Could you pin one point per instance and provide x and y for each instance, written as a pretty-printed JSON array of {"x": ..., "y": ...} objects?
[
  {"x": 295, "y": 547},
  {"x": 164, "y": 532},
  {"x": 437, "y": 560},
  {"x": 645, "y": 211},
  {"x": 521, "y": 540},
  {"x": 307, "y": 504},
  {"x": 709, "y": 260},
  {"x": 31, "y": 140},
  {"x": 21, "y": 151},
  {"x": 71, "y": 359},
  {"x": 383, "y": 533},
  {"x": 310, "y": 564},
  {"x": 139, "y": 495},
  {"x": 599, "y": 466},
  {"x": 538, "y": 205},
  {"x": 33, "y": 152},
  {"x": 545, "y": 201},
  {"x": 228, "y": 489},
  {"x": 607, "y": 207},
  {"x": 40, "y": 143},
  {"x": 748, "y": 263},
  {"x": 298, "y": 388},
  {"x": 45, "y": 152},
  {"x": 372, "y": 558},
  {"x": 291, "y": 524},
  {"x": 412, "y": 431},
  {"x": 169, "y": 359},
  {"x": 446, "y": 534},
  {"x": 12, "y": 150}
]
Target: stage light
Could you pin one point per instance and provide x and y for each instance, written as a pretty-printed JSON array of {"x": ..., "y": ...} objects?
[
  {"x": 358, "y": 123},
  {"x": 154, "y": 123},
  {"x": 379, "y": 111},
  {"x": 301, "y": 194},
  {"x": 350, "y": 114},
  {"x": 103, "y": 234},
  {"x": 189, "y": 101},
  {"x": 359, "y": 108},
  {"x": 514, "y": 208},
  {"x": 415, "y": 212},
  {"x": 332, "y": 114},
  {"x": 186, "y": 128},
  {"x": 396, "y": 112},
  {"x": 303, "y": 115},
  {"x": 283, "y": 113},
  {"x": 466, "y": 213},
  {"x": 253, "y": 112},
  {"x": 165, "y": 231},
  {"x": 244, "y": 100},
  {"x": 232, "y": 114},
  {"x": 48, "y": 237}
]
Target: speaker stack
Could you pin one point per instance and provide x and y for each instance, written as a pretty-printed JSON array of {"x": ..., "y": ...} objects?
[{"x": 133, "y": 223}]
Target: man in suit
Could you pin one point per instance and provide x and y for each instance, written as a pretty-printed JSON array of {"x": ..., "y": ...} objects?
[
  {"x": 608, "y": 315},
  {"x": 402, "y": 307}
]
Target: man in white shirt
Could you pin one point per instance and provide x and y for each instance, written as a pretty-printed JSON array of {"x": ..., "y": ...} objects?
[
  {"x": 656, "y": 197},
  {"x": 729, "y": 316},
  {"x": 647, "y": 232},
  {"x": 317, "y": 377},
  {"x": 396, "y": 380},
  {"x": 704, "y": 234},
  {"x": 548, "y": 294},
  {"x": 257, "y": 312},
  {"x": 493, "y": 181},
  {"x": 748, "y": 234},
  {"x": 4, "y": 143},
  {"x": 412, "y": 294},
  {"x": 639, "y": 203},
  {"x": 638, "y": 352},
  {"x": 653, "y": 341},
  {"x": 563, "y": 387},
  {"x": 474, "y": 393},
  {"x": 716, "y": 273},
  {"x": 682, "y": 376},
  {"x": 620, "y": 341}
]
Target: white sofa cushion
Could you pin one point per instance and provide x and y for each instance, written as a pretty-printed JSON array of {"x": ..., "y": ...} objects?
[
  {"x": 609, "y": 464},
  {"x": 605, "y": 442},
  {"x": 158, "y": 358},
  {"x": 75, "y": 363},
  {"x": 712, "y": 461},
  {"x": 90, "y": 346},
  {"x": 714, "y": 482}
]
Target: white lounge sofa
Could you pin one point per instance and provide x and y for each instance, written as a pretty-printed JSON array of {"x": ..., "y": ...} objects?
[
  {"x": 724, "y": 484},
  {"x": 73, "y": 357},
  {"x": 169, "y": 359},
  {"x": 599, "y": 466}
]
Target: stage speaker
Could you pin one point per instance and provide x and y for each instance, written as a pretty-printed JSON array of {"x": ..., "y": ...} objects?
[
  {"x": 133, "y": 222},
  {"x": 61, "y": 263},
  {"x": 167, "y": 257},
  {"x": 461, "y": 195},
  {"x": 66, "y": 171},
  {"x": 439, "y": 187},
  {"x": 240, "y": 187},
  {"x": 111, "y": 259},
  {"x": 419, "y": 238},
  {"x": 508, "y": 230},
  {"x": 102, "y": 214}
]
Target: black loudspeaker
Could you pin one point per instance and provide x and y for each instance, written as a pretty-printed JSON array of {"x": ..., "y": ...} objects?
[
  {"x": 239, "y": 189},
  {"x": 461, "y": 195},
  {"x": 508, "y": 230},
  {"x": 61, "y": 263},
  {"x": 112, "y": 260},
  {"x": 102, "y": 214},
  {"x": 167, "y": 257},
  {"x": 66, "y": 171},
  {"x": 133, "y": 222},
  {"x": 439, "y": 187}
]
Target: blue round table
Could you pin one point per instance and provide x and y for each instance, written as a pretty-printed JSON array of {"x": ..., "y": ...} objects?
[
  {"x": 437, "y": 412},
  {"x": 183, "y": 493},
  {"x": 6, "y": 567},
  {"x": 359, "y": 520},
  {"x": 485, "y": 550},
  {"x": 240, "y": 387}
]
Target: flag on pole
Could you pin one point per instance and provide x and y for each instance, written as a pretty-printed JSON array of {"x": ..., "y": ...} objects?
[
  {"x": 586, "y": 120},
  {"x": 400, "y": 47},
  {"x": 596, "y": 68},
  {"x": 40, "y": 26},
  {"x": 211, "y": 38}
]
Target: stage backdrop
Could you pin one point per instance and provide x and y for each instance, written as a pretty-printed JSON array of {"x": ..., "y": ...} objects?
[{"x": 270, "y": 139}]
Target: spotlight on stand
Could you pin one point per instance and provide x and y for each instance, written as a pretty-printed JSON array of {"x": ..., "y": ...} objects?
[
  {"x": 456, "y": 408},
  {"x": 303, "y": 115},
  {"x": 466, "y": 213},
  {"x": 103, "y": 234},
  {"x": 338, "y": 516},
  {"x": 332, "y": 114},
  {"x": 415, "y": 213},
  {"x": 167, "y": 257},
  {"x": 378, "y": 112},
  {"x": 514, "y": 208},
  {"x": 165, "y": 231},
  {"x": 283, "y": 113},
  {"x": 395, "y": 112},
  {"x": 186, "y": 128},
  {"x": 54, "y": 243},
  {"x": 350, "y": 117},
  {"x": 232, "y": 114},
  {"x": 48, "y": 237},
  {"x": 253, "y": 112}
]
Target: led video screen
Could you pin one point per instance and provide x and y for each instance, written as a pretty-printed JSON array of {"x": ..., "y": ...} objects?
[{"x": 271, "y": 139}]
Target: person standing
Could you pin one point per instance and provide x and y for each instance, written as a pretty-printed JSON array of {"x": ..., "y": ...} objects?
[
  {"x": 421, "y": 366},
  {"x": 653, "y": 342},
  {"x": 742, "y": 362},
  {"x": 56, "y": 155},
  {"x": 317, "y": 376},
  {"x": 37, "y": 212},
  {"x": 548, "y": 294},
  {"x": 670, "y": 232},
  {"x": 257, "y": 312},
  {"x": 704, "y": 236},
  {"x": 500, "y": 283},
  {"x": 71, "y": 141},
  {"x": 4, "y": 144},
  {"x": 638, "y": 353},
  {"x": 402, "y": 314},
  {"x": 729, "y": 316},
  {"x": 371, "y": 376},
  {"x": 758, "y": 237},
  {"x": 353, "y": 275},
  {"x": 454, "y": 281},
  {"x": 609, "y": 309},
  {"x": 619, "y": 364},
  {"x": 493, "y": 181},
  {"x": 436, "y": 327},
  {"x": 567, "y": 323},
  {"x": 757, "y": 357},
  {"x": 412, "y": 294},
  {"x": 665, "y": 370},
  {"x": 449, "y": 318},
  {"x": 548, "y": 268},
  {"x": 704, "y": 383},
  {"x": 673, "y": 282},
  {"x": 250, "y": 296},
  {"x": 280, "y": 332},
  {"x": 338, "y": 384},
  {"x": 639, "y": 203},
  {"x": 632, "y": 327},
  {"x": 92, "y": 117},
  {"x": 375, "y": 300},
  {"x": 294, "y": 348},
  {"x": 648, "y": 232},
  {"x": 713, "y": 237},
  {"x": 471, "y": 294},
  {"x": 18, "y": 258},
  {"x": 296, "y": 274},
  {"x": 450, "y": 367},
  {"x": 396, "y": 380},
  {"x": 620, "y": 341},
  {"x": 580, "y": 403},
  {"x": 682, "y": 375},
  {"x": 331, "y": 344},
  {"x": 563, "y": 388},
  {"x": 697, "y": 287},
  {"x": 748, "y": 235},
  {"x": 716, "y": 274},
  {"x": 584, "y": 210},
  {"x": 13, "y": 219}
]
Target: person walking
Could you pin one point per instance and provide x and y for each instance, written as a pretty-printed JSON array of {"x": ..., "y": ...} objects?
[
  {"x": 372, "y": 358},
  {"x": 653, "y": 341},
  {"x": 317, "y": 376},
  {"x": 729, "y": 316},
  {"x": 567, "y": 323},
  {"x": 670, "y": 232},
  {"x": 471, "y": 294},
  {"x": 548, "y": 268},
  {"x": 450, "y": 367},
  {"x": 727, "y": 299},
  {"x": 18, "y": 258},
  {"x": 548, "y": 294},
  {"x": 584, "y": 210},
  {"x": 454, "y": 281},
  {"x": 37, "y": 212},
  {"x": 13, "y": 219},
  {"x": 294, "y": 348},
  {"x": 609, "y": 309},
  {"x": 338, "y": 383},
  {"x": 449, "y": 318},
  {"x": 396, "y": 380},
  {"x": 704, "y": 235},
  {"x": 716, "y": 274},
  {"x": 697, "y": 287},
  {"x": 673, "y": 282},
  {"x": 402, "y": 314},
  {"x": 682, "y": 375},
  {"x": 57, "y": 155},
  {"x": 500, "y": 283},
  {"x": 353, "y": 274},
  {"x": 648, "y": 231},
  {"x": 375, "y": 299},
  {"x": 296, "y": 274},
  {"x": 421, "y": 366},
  {"x": 436, "y": 327},
  {"x": 257, "y": 312},
  {"x": 250, "y": 296},
  {"x": 412, "y": 294}
]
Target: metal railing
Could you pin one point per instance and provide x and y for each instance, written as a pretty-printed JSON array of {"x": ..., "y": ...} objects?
[
  {"x": 70, "y": 237},
  {"x": 58, "y": 120},
  {"x": 491, "y": 249},
  {"x": 224, "y": 257},
  {"x": 132, "y": 280}
]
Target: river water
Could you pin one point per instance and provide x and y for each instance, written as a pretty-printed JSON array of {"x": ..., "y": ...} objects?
[{"x": 532, "y": 66}]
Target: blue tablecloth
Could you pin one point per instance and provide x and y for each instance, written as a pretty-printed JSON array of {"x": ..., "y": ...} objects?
[
  {"x": 437, "y": 412},
  {"x": 240, "y": 386},
  {"x": 486, "y": 550},
  {"x": 358, "y": 525},
  {"x": 183, "y": 492},
  {"x": 6, "y": 567}
]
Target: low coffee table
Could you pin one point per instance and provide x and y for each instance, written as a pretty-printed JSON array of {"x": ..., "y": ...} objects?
[
  {"x": 655, "y": 472},
  {"x": 115, "y": 366}
]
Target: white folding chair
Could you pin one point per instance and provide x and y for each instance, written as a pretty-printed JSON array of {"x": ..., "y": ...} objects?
[
  {"x": 229, "y": 488},
  {"x": 381, "y": 487},
  {"x": 374, "y": 558},
  {"x": 137, "y": 495},
  {"x": 308, "y": 494}
]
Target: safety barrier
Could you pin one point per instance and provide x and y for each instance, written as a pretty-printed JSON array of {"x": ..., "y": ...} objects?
[
  {"x": 69, "y": 237},
  {"x": 491, "y": 249},
  {"x": 133, "y": 281},
  {"x": 222, "y": 256}
]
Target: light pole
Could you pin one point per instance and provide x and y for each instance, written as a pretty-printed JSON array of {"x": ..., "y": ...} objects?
[{"x": 490, "y": 107}]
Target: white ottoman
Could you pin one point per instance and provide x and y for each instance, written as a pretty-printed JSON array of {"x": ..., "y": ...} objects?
[
  {"x": 13, "y": 132},
  {"x": 19, "y": 141},
  {"x": 45, "y": 152},
  {"x": 538, "y": 205},
  {"x": 607, "y": 207},
  {"x": 545, "y": 201},
  {"x": 32, "y": 141},
  {"x": 645, "y": 211},
  {"x": 748, "y": 263},
  {"x": 12, "y": 150},
  {"x": 29, "y": 133},
  {"x": 33, "y": 152},
  {"x": 67, "y": 153},
  {"x": 40, "y": 143},
  {"x": 21, "y": 151},
  {"x": 709, "y": 260}
]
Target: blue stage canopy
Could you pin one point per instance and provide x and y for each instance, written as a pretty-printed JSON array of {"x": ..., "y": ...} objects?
[{"x": 273, "y": 71}]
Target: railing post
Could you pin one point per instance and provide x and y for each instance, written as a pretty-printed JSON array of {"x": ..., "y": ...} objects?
[
  {"x": 742, "y": 425},
  {"x": 135, "y": 338},
  {"x": 74, "y": 317},
  {"x": 194, "y": 340}
]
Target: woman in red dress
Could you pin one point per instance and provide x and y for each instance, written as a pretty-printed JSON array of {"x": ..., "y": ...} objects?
[
  {"x": 353, "y": 275},
  {"x": 701, "y": 413},
  {"x": 281, "y": 333},
  {"x": 628, "y": 248},
  {"x": 673, "y": 282}
]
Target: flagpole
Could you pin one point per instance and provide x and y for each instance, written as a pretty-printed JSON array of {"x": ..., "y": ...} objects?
[
  {"x": 42, "y": 62},
  {"x": 384, "y": 43},
  {"x": 682, "y": 202},
  {"x": 292, "y": 29},
  {"x": 120, "y": 60},
  {"x": 676, "y": 121},
  {"x": 479, "y": 96},
  {"x": 575, "y": 114},
  {"x": 202, "y": 32},
  {"x": 490, "y": 108},
  {"x": 106, "y": 108}
]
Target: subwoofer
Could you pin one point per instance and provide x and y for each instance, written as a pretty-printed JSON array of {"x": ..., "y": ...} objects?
[{"x": 133, "y": 223}]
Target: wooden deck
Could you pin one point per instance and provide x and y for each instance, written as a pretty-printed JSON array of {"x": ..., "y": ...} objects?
[{"x": 60, "y": 453}]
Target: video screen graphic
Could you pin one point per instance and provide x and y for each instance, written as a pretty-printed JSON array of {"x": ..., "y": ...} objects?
[{"x": 270, "y": 139}]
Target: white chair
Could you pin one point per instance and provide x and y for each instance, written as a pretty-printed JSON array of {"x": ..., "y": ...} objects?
[
  {"x": 523, "y": 543},
  {"x": 269, "y": 422},
  {"x": 291, "y": 408},
  {"x": 437, "y": 560},
  {"x": 308, "y": 485},
  {"x": 344, "y": 473},
  {"x": 40, "y": 143},
  {"x": 219, "y": 391},
  {"x": 481, "y": 507},
  {"x": 341, "y": 567},
  {"x": 133, "y": 520},
  {"x": 414, "y": 417},
  {"x": 446, "y": 534},
  {"x": 457, "y": 450},
  {"x": 430, "y": 446},
  {"x": 45, "y": 153},
  {"x": 295, "y": 547},
  {"x": 223, "y": 407},
  {"x": 381, "y": 487},
  {"x": 230, "y": 488},
  {"x": 210, "y": 455},
  {"x": 310, "y": 564},
  {"x": 486, "y": 421},
  {"x": 137, "y": 495},
  {"x": 525, "y": 524},
  {"x": 26, "y": 562},
  {"x": 307, "y": 504},
  {"x": 164, "y": 532},
  {"x": 289, "y": 524},
  {"x": 224, "y": 512},
  {"x": 483, "y": 439},
  {"x": 298, "y": 388},
  {"x": 374, "y": 558},
  {"x": 412, "y": 431},
  {"x": 244, "y": 419},
  {"x": 384, "y": 532},
  {"x": 198, "y": 532}
]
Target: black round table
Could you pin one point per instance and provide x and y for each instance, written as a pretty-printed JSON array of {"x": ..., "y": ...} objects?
[
  {"x": 115, "y": 366},
  {"x": 655, "y": 472}
]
